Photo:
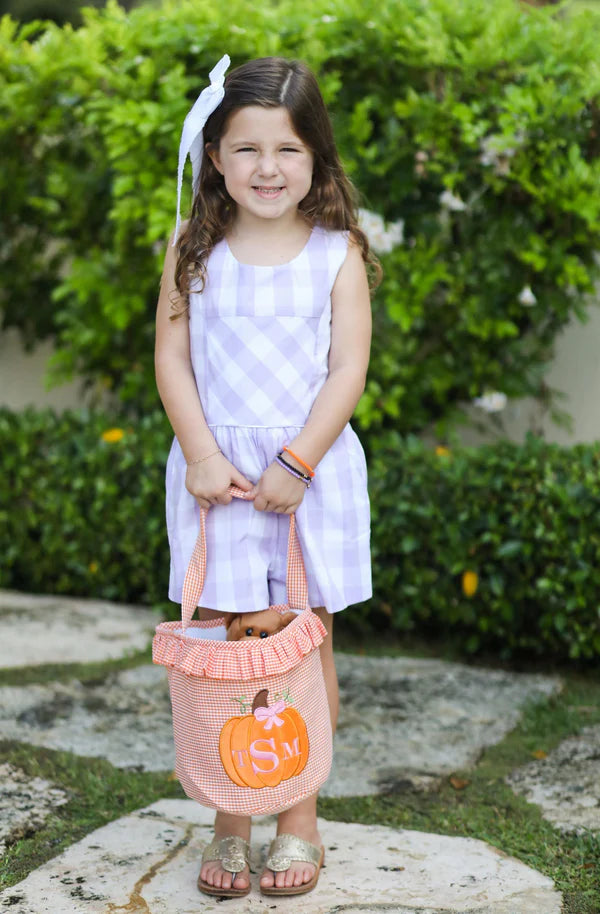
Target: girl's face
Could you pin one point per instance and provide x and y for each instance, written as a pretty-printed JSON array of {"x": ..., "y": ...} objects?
[{"x": 266, "y": 166}]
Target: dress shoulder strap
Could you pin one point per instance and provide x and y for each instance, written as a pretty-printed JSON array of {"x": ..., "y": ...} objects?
[{"x": 333, "y": 246}]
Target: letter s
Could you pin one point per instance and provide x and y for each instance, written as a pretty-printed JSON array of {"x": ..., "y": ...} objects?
[{"x": 258, "y": 754}]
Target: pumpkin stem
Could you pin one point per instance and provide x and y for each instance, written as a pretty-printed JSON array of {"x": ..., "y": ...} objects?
[{"x": 260, "y": 700}]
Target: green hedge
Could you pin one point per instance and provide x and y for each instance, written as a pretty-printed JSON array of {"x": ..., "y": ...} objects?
[
  {"x": 476, "y": 123},
  {"x": 81, "y": 515},
  {"x": 522, "y": 518},
  {"x": 84, "y": 515}
]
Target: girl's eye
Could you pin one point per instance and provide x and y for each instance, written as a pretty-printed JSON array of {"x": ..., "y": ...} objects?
[
  {"x": 264, "y": 634},
  {"x": 249, "y": 632},
  {"x": 245, "y": 149},
  {"x": 290, "y": 149}
]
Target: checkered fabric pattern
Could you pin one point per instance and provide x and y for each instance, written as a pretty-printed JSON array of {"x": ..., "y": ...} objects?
[
  {"x": 215, "y": 684},
  {"x": 202, "y": 707},
  {"x": 260, "y": 335},
  {"x": 259, "y": 341}
]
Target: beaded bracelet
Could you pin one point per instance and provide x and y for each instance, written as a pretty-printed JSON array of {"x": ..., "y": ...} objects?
[
  {"x": 302, "y": 463},
  {"x": 293, "y": 471},
  {"x": 196, "y": 460}
]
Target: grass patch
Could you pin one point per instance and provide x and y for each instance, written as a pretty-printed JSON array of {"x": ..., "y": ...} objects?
[
  {"x": 485, "y": 808},
  {"x": 62, "y": 672},
  {"x": 98, "y": 794}
]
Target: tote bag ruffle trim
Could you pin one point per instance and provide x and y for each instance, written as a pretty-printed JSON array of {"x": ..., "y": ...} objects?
[{"x": 237, "y": 659}]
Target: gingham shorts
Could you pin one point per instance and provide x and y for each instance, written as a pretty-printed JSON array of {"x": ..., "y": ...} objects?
[{"x": 247, "y": 549}]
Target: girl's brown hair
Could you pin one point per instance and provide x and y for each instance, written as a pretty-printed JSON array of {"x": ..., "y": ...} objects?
[{"x": 270, "y": 82}]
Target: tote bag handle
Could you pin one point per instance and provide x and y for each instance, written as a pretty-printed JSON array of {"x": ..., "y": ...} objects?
[{"x": 193, "y": 585}]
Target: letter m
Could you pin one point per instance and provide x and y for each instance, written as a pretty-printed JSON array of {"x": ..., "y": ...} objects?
[{"x": 291, "y": 751}]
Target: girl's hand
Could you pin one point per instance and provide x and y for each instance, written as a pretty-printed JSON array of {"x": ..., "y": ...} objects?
[
  {"x": 279, "y": 491},
  {"x": 209, "y": 481}
]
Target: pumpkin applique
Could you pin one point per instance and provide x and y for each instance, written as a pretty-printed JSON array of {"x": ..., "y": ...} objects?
[{"x": 265, "y": 747}]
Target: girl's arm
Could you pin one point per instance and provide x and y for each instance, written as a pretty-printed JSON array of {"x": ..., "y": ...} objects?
[
  {"x": 337, "y": 399},
  {"x": 348, "y": 361},
  {"x": 207, "y": 481}
]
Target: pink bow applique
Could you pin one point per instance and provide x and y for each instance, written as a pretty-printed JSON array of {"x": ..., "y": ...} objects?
[{"x": 270, "y": 715}]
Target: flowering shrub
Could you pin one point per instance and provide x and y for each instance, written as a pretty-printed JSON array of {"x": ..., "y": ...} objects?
[
  {"x": 495, "y": 547},
  {"x": 472, "y": 130},
  {"x": 81, "y": 505}
]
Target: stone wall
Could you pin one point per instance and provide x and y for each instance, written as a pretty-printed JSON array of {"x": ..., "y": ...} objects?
[
  {"x": 575, "y": 371},
  {"x": 22, "y": 377}
]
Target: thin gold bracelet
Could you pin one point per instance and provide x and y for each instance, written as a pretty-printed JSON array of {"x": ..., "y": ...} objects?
[{"x": 196, "y": 460}]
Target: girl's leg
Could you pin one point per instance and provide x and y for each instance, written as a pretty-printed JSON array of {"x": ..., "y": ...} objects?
[
  {"x": 225, "y": 826},
  {"x": 301, "y": 820}
]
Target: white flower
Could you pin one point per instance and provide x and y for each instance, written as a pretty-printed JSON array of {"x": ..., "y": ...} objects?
[
  {"x": 492, "y": 150},
  {"x": 495, "y": 153},
  {"x": 499, "y": 161},
  {"x": 395, "y": 233},
  {"x": 526, "y": 297},
  {"x": 502, "y": 167},
  {"x": 328, "y": 18},
  {"x": 493, "y": 402},
  {"x": 450, "y": 201},
  {"x": 382, "y": 238},
  {"x": 421, "y": 157}
]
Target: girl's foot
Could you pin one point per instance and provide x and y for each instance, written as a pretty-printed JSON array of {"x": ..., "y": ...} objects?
[
  {"x": 212, "y": 872},
  {"x": 300, "y": 821}
]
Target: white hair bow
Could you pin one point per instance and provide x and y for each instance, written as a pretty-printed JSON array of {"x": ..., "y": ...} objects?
[{"x": 192, "y": 139}]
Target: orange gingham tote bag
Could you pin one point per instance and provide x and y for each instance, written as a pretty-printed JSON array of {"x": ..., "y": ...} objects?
[{"x": 250, "y": 718}]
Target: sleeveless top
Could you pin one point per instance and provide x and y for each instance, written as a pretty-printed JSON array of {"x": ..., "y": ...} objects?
[
  {"x": 260, "y": 335},
  {"x": 259, "y": 345}
]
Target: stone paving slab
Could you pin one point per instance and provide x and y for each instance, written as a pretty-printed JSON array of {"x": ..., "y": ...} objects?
[
  {"x": 25, "y": 803},
  {"x": 125, "y": 718},
  {"x": 414, "y": 720},
  {"x": 566, "y": 784},
  {"x": 148, "y": 861},
  {"x": 36, "y": 629},
  {"x": 402, "y": 721}
]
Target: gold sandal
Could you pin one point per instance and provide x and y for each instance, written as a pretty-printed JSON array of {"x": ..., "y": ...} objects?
[
  {"x": 288, "y": 849},
  {"x": 233, "y": 853}
]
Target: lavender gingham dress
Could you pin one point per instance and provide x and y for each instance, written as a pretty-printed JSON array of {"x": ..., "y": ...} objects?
[{"x": 259, "y": 339}]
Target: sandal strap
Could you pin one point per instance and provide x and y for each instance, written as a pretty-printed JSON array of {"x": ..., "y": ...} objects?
[
  {"x": 286, "y": 849},
  {"x": 232, "y": 852}
]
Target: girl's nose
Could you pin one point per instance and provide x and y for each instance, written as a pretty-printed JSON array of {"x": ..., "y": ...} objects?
[{"x": 267, "y": 165}]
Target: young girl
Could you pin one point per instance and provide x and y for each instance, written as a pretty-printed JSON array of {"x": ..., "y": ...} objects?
[{"x": 264, "y": 346}]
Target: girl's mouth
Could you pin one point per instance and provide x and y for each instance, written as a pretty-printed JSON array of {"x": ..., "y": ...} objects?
[{"x": 267, "y": 192}]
